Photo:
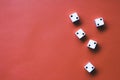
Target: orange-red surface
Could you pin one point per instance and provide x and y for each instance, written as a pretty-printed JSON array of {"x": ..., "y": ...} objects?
[{"x": 37, "y": 40}]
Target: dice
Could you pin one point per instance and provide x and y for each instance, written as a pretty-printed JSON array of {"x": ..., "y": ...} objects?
[
  {"x": 92, "y": 44},
  {"x": 74, "y": 17},
  {"x": 89, "y": 67},
  {"x": 80, "y": 33},
  {"x": 99, "y": 22}
]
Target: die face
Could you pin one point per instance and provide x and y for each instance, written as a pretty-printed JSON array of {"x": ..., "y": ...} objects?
[
  {"x": 92, "y": 44},
  {"x": 80, "y": 33},
  {"x": 89, "y": 67},
  {"x": 74, "y": 17},
  {"x": 99, "y": 22}
]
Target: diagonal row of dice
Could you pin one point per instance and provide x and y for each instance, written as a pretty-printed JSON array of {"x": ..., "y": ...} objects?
[{"x": 80, "y": 34}]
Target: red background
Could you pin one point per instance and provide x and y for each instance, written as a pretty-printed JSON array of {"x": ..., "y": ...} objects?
[{"x": 37, "y": 40}]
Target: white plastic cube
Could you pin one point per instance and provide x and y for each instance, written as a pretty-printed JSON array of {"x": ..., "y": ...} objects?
[
  {"x": 89, "y": 67},
  {"x": 92, "y": 44},
  {"x": 80, "y": 33},
  {"x": 74, "y": 17},
  {"x": 99, "y": 22}
]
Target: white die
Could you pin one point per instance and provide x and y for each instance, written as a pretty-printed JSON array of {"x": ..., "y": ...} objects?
[
  {"x": 92, "y": 44},
  {"x": 74, "y": 17},
  {"x": 80, "y": 33},
  {"x": 89, "y": 67},
  {"x": 99, "y": 22}
]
